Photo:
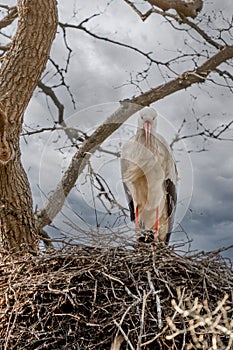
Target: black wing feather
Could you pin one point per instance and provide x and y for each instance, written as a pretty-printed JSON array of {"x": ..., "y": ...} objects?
[
  {"x": 171, "y": 204},
  {"x": 130, "y": 203}
]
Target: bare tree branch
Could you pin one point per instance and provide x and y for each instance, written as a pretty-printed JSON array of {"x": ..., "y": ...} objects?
[
  {"x": 49, "y": 92},
  {"x": 181, "y": 19},
  {"x": 224, "y": 73},
  {"x": 9, "y": 18},
  {"x": 185, "y": 80},
  {"x": 189, "y": 8},
  {"x": 126, "y": 109},
  {"x": 99, "y": 37},
  {"x": 60, "y": 71},
  {"x": 201, "y": 32}
]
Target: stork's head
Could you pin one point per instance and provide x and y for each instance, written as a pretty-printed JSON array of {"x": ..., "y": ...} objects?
[{"x": 147, "y": 121}]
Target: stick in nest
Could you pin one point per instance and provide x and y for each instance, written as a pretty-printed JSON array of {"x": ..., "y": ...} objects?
[{"x": 116, "y": 344}]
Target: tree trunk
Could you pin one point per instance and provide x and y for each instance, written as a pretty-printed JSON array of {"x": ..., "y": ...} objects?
[
  {"x": 16, "y": 215},
  {"x": 19, "y": 74}
]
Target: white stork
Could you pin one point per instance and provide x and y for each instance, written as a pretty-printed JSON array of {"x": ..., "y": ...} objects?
[{"x": 149, "y": 175}]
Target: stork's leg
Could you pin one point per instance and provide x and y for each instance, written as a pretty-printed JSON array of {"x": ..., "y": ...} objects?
[
  {"x": 136, "y": 222},
  {"x": 156, "y": 225}
]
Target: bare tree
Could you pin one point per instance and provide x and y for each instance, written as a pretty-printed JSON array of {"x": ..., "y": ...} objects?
[{"x": 24, "y": 59}]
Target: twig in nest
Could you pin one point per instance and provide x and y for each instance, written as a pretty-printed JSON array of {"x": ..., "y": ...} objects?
[
  {"x": 159, "y": 311},
  {"x": 124, "y": 335},
  {"x": 202, "y": 321}
]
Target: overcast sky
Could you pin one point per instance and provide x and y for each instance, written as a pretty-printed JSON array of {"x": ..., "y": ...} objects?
[{"x": 99, "y": 76}]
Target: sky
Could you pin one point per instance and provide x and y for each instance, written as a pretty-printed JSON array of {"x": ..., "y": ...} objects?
[{"x": 100, "y": 74}]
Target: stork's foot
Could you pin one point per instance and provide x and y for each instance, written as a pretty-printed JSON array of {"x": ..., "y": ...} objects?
[{"x": 146, "y": 237}]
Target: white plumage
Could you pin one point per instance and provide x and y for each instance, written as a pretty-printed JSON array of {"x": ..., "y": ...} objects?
[{"x": 149, "y": 175}]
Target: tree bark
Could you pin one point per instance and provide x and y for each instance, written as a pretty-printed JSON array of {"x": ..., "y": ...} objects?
[
  {"x": 19, "y": 75},
  {"x": 188, "y": 8}
]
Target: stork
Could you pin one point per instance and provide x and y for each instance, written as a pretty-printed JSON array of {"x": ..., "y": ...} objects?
[{"x": 149, "y": 176}]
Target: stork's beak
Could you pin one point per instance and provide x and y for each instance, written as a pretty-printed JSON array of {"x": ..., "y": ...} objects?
[{"x": 147, "y": 126}]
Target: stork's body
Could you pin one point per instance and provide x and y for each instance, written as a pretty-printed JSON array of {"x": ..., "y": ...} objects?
[{"x": 150, "y": 176}]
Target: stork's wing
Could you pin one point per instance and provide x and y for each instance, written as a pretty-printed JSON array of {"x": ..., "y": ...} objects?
[
  {"x": 130, "y": 203},
  {"x": 169, "y": 164},
  {"x": 124, "y": 167},
  {"x": 170, "y": 183},
  {"x": 171, "y": 199}
]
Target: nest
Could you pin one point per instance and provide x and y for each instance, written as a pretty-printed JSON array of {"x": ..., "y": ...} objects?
[{"x": 84, "y": 298}]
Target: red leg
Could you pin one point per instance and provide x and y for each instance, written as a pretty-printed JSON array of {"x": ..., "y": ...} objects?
[
  {"x": 156, "y": 225},
  {"x": 136, "y": 218}
]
